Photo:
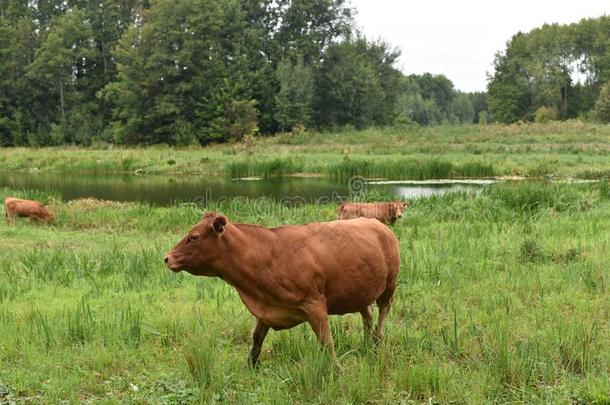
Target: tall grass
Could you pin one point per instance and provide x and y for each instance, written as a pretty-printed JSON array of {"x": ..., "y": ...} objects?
[
  {"x": 409, "y": 169},
  {"x": 568, "y": 149},
  {"x": 415, "y": 169},
  {"x": 265, "y": 168},
  {"x": 502, "y": 297}
]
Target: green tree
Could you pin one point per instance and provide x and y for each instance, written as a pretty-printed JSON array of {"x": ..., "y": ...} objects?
[
  {"x": 431, "y": 99},
  {"x": 436, "y": 87},
  {"x": 558, "y": 66},
  {"x": 295, "y": 97},
  {"x": 6, "y": 86},
  {"x": 44, "y": 11},
  {"x": 227, "y": 114},
  {"x": 167, "y": 63},
  {"x": 18, "y": 43},
  {"x": 11, "y": 10},
  {"x": 58, "y": 67},
  {"x": 348, "y": 90},
  {"x": 479, "y": 104},
  {"x": 509, "y": 89},
  {"x": 247, "y": 39},
  {"x": 602, "y": 105},
  {"x": 461, "y": 108},
  {"x": 382, "y": 58},
  {"x": 308, "y": 27},
  {"x": 108, "y": 19},
  {"x": 414, "y": 108}
]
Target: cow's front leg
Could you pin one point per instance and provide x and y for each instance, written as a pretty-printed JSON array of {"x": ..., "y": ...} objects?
[{"x": 258, "y": 336}]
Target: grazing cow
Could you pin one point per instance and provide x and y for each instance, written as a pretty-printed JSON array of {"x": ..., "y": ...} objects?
[
  {"x": 25, "y": 208},
  {"x": 296, "y": 273},
  {"x": 386, "y": 212}
]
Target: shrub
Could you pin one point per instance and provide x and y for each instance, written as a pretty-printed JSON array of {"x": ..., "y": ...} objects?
[
  {"x": 602, "y": 105},
  {"x": 242, "y": 119},
  {"x": 184, "y": 133},
  {"x": 546, "y": 114},
  {"x": 266, "y": 168}
]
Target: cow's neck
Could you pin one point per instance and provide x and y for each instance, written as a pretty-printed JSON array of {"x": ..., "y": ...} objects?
[{"x": 247, "y": 249}]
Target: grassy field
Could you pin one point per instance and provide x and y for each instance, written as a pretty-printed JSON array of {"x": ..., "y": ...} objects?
[
  {"x": 503, "y": 297},
  {"x": 566, "y": 149}
]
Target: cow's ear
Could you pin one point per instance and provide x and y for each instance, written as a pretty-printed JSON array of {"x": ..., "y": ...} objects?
[{"x": 218, "y": 225}]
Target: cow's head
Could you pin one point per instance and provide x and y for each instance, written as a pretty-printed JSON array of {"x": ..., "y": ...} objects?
[
  {"x": 200, "y": 251},
  {"x": 49, "y": 217},
  {"x": 399, "y": 208}
]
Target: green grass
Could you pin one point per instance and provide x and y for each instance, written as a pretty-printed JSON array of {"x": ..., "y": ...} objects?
[
  {"x": 565, "y": 149},
  {"x": 503, "y": 297}
]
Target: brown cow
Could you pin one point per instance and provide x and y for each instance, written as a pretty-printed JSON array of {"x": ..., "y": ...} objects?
[
  {"x": 25, "y": 208},
  {"x": 386, "y": 212},
  {"x": 296, "y": 273}
]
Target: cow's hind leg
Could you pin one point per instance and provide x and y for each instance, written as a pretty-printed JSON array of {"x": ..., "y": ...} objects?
[
  {"x": 384, "y": 302},
  {"x": 318, "y": 320},
  {"x": 367, "y": 321},
  {"x": 258, "y": 336}
]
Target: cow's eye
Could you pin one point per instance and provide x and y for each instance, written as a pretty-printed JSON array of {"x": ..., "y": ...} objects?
[{"x": 192, "y": 237}]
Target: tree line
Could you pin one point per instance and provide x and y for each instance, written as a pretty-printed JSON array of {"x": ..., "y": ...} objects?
[
  {"x": 199, "y": 71},
  {"x": 553, "y": 72}
]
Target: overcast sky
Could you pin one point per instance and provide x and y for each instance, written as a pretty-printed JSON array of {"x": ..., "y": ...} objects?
[{"x": 459, "y": 38}]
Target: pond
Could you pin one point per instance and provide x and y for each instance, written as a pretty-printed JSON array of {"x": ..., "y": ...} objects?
[{"x": 165, "y": 190}]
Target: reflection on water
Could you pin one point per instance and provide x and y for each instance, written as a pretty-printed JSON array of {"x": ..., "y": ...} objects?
[
  {"x": 164, "y": 190},
  {"x": 427, "y": 191}
]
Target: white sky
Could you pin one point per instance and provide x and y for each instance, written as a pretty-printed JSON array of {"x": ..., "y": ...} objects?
[{"x": 459, "y": 38}]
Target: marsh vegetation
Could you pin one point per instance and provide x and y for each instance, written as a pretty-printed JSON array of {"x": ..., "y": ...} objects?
[{"x": 502, "y": 296}]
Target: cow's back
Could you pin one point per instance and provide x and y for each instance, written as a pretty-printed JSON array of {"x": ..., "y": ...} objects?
[
  {"x": 383, "y": 212},
  {"x": 350, "y": 262}
]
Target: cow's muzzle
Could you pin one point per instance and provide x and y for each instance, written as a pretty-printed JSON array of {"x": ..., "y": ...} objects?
[{"x": 171, "y": 264}]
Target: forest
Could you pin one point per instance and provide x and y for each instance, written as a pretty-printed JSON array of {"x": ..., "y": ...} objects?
[
  {"x": 554, "y": 72},
  {"x": 199, "y": 71}
]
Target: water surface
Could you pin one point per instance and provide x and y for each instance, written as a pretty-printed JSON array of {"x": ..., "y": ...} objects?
[{"x": 165, "y": 189}]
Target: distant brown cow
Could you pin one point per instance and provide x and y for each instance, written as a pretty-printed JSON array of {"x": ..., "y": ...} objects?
[
  {"x": 25, "y": 208},
  {"x": 296, "y": 273},
  {"x": 386, "y": 212}
]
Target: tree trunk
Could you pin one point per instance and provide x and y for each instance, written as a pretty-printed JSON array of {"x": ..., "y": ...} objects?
[
  {"x": 104, "y": 58},
  {"x": 565, "y": 99},
  {"x": 61, "y": 100}
]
